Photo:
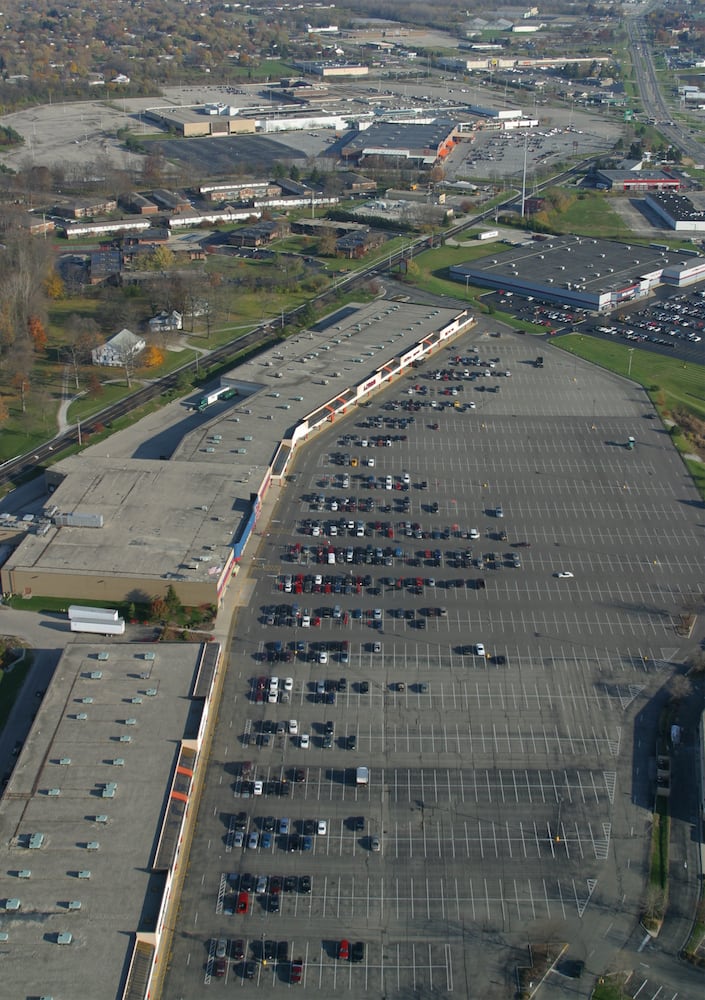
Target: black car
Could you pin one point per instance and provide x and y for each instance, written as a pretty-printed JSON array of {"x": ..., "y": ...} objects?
[
  {"x": 309, "y": 827},
  {"x": 290, "y": 883},
  {"x": 294, "y": 843},
  {"x": 273, "y": 903},
  {"x": 359, "y": 824},
  {"x": 352, "y": 742},
  {"x": 330, "y": 728},
  {"x": 364, "y": 687},
  {"x": 249, "y": 970},
  {"x": 247, "y": 882},
  {"x": 269, "y": 950},
  {"x": 342, "y": 685},
  {"x": 241, "y": 821},
  {"x": 269, "y": 824},
  {"x": 357, "y": 952},
  {"x": 305, "y": 884}
]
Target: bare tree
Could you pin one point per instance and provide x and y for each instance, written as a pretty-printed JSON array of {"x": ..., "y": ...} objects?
[
  {"x": 84, "y": 336},
  {"x": 680, "y": 687}
]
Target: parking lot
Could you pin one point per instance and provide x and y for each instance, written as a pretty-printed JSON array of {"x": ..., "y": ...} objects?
[{"x": 480, "y": 618}]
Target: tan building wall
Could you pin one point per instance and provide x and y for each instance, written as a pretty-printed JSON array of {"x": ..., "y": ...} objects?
[
  {"x": 103, "y": 587},
  {"x": 221, "y": 126}
]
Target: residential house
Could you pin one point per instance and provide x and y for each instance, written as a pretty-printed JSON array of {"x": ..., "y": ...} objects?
[{"x": 124, "y": 347}]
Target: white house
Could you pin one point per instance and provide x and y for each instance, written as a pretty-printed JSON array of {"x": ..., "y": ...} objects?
[
  {"x": 125, "y": 346},
  {"x": 166, "y": 321}
]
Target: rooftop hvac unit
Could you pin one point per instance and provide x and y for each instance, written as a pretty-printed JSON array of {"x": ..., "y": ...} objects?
[
  {"x": 24, "y": 873},
  {"x": 54, "y": 792},
  {"x": 84, "y": 873},
  {"x": 93, "y": 845},
  {"x": 65, "y": 761},
  {"x": 103, "y": 656},
  {"x": 36, "y": 840},
  {"x": 95, "y": 675},
  {"x": 66, "y": 937},
  {"x": 130, "y": 722},
  {"x": 136, "y": 700},
  {"x": 118, "y": 762},
  {"x": 73, "y": 904},
  {"x": 149, "y": 656},
  {"x": 151, "y": 692},
  {"x": 81, "y": 716},
  {"x": 101, "y": 818},
  {"x": 125, "y": 739},
  {"x": 13, "y": 904},
  {"x": 87, "y": 700}
]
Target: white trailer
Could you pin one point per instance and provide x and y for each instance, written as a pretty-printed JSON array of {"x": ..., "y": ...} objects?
[
  {"x": 99, "y": 628},
  {"x": 79, "y": 613},
  {"x": 488, "y": 234}
]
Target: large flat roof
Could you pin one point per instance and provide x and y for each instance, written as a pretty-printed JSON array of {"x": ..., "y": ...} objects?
[
  {"x": 176, "y": 518},
  {"x": 76, "y": 757},
  {"x": 596, "y": 267}
]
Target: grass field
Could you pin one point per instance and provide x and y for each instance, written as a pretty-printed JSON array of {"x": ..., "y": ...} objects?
[{"x": 590, "y": 215}]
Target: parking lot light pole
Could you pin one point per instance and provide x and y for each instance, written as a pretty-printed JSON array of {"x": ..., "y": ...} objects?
[{"x": 631, "y": 355}]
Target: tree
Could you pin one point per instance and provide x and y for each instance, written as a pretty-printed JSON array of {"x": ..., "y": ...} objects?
[
  {"x": 95, "y": 386},
  {"x": 160, "y": 259},
  {"x": 84, "y": 336},
  {"x": 327, "y": 243},
  {"x": 20, "y": 381},
  {"x": 680, "y": 688},
  {"x": 172, "y": 602},
  {"x": 152, "y": 357},
  {"x": 4, "y": 412},
  {"x": 54, "y": 287},
  {"x": 37, "y": 333}
]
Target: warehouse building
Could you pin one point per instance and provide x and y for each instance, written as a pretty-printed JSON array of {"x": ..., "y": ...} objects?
[
  {"x": 92, "y": 820},
  {"x": 416, "y": 143},
  {"x": 582, "y": 272}
]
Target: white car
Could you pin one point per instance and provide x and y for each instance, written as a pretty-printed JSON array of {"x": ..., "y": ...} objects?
[
  {"x": 306, "y": 621},
  {"x": 406, "y": 478},
  {"x": 507, "y": 374},
  {"x": 474, "y": 533},
  {"x": 322, "y": 827},
  {"x": 288, "y": 683},
  {"x": 323, "y": 656},
  {"x": 293, "y": 727},
  {"x": 272, "y": 697},
  {"x": 564, "y": 574},
  {"x": 257, "y": 788},
  {"x": 304, "y": 741},
  {"x": 471, "y": 404},
  {"x": 478, "y": 649},
  {"x": 318, "y": 580}
]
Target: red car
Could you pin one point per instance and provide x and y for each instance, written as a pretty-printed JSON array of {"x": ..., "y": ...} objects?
[
  {"x": 344, "y": 951},
  {"x": 297, "y": 970},
  {"x": 243, "y": 902}
]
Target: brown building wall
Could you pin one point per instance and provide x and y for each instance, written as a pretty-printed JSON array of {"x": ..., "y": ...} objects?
[{"x": 74, "y": 586}]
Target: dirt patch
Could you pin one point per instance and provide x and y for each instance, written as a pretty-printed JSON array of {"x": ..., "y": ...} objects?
[{"x": 693, "y": 429}]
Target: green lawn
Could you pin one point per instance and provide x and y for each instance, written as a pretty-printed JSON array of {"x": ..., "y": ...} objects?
[
  {"x": 680, "y": 384},
  {"x": 591, "y": 215}
]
